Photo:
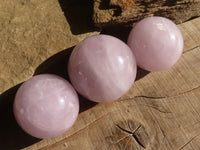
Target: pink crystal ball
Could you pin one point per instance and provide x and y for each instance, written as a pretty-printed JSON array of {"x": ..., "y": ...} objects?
[
  {"x": 102, "y": 68},
  {"x": 46, "y": 106},
  {"x": 156, "y": 42}
]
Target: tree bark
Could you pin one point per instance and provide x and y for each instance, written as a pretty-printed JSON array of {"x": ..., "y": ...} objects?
[{"x": 179, "y": 11}]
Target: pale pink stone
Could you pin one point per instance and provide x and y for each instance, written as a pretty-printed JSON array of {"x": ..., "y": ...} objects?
[
  {"x": 156, "y": 42},
  {"x": 46, "y": 106},
  {"x": 102, "y": 68}
]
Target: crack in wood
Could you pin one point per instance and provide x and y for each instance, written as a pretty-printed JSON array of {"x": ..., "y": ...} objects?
[
  {"x": 122, "y": 139},
  {"x": 129, "y": 132},
  {"x": 156, "y": 108},
  {"x": 182, "y": 147},
  {"x": 191, "y": 49},
  {"x": 136, "y": 138},
  {"x": 159, "y": 97},
  {"x": 132, "y": 134}
]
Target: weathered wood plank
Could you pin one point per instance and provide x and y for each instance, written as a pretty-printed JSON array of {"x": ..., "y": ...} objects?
[
  {"x": 177, "y": 10},
  {"x": 161, "y": 111}
]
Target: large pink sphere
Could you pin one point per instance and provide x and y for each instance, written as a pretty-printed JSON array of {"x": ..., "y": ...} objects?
[
  {"x": 156, "y": 42},
  {"x": 46, "y": 106},
  {"x": 102, "y": 68}
]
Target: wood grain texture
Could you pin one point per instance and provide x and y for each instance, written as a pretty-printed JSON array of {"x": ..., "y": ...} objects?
[
  {"x": 179, "y": 11},
  {"x": 161, "y": 110},
  {"x": 33, "y": 30}
]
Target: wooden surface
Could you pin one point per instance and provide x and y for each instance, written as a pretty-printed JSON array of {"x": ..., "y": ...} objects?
[
  {"x": 161, "y": 111},
  {"x": 127, "y": 12},
  {"x": 33, "y": 30}
]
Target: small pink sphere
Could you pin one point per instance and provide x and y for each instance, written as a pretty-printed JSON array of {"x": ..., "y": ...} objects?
[
  {"x": 46, "y": 106},
  {"x": 156, "y": 42},
  {"x": 102, "y": 68}
]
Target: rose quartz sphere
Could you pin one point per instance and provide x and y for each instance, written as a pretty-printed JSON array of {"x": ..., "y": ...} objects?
[
  {"x": 156, "y": 42},
  {"x": 102, "y": 68},
  {"x": 46, "y": 106}
]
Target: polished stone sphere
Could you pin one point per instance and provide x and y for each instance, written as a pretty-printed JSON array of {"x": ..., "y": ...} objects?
[
  {"x": 102, "y": 68},
  {"x": 156, "y": 42},
  {"x": 46, "y": 106}
]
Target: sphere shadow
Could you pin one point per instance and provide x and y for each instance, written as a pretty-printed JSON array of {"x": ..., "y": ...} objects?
[
  {"x": 79, "y": 15},
  {"x": 12, "y": 137},
  {"x": 119, "y": 32},
  {"x": 141, "y": 73}
]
